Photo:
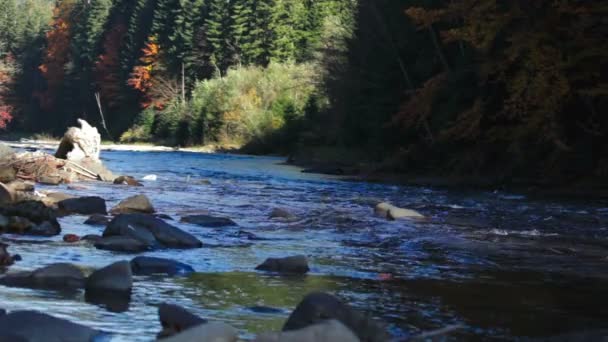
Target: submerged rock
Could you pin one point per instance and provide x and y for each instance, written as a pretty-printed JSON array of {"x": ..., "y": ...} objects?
[
  {"x": 119, "y": 244},
  {"x": 97, "y": 220},
  {"x": 208, "y": 221},
  {"x": 289, "y": 265},
  {"x": 281, "y": 213},
  {"x": 133, "y": 205},
  {"x": 83, "y": 206},
  {"x": 54, "y": 276},
  {"x": 127, "y": 180},
  {"x": 392, "y": 212},
  {"x": 175, "y": 319},
  {"x": 149, "y": 265},
  {"x": 324, "y": 331},
  {"x": 34, "y": 326},
  {"x": 318, "y": 307},
  {"x": 151, "y": 231},
  {"x": 116, "y": 277},
  {"x": 214, "y": 331}
]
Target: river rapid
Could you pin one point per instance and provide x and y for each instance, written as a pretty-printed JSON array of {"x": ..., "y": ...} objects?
[{"x": 501, "y": 265}]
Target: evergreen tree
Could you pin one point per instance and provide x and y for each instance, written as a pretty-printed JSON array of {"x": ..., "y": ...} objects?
[
  {"x": 218, "y": 27},
  {"x": 252, "y": 30}
]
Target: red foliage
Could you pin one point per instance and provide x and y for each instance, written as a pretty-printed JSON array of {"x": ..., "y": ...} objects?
[
  {"x": 57, "y": 53},
  {"x": 107, "y": 67},
  {"x": 6, "y": 79}
]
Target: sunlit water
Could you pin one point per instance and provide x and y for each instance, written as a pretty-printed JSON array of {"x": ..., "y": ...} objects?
[{"x": 501, "y": 265}]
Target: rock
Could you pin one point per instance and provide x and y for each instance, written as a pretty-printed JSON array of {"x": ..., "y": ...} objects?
[
  {"x": 50, "y": 179},
  {"x": 46, "y": 228},
  {"x": 289, "y": 265},
  {"x": 97, "y": 220},
  {"x": 80, "y": 143},
  {"x": 71, "y": 238},
  {"x": 7, "y": 174},
  {"x": 20, "y": 186},
  {"x": 324, "y": 331},
  {"x": 281, "y": 213},
  {"x": 52, "y": 198},
  {"x": 119, "y": 244},
  {"x": 317, "y": 307},
  {"x": 127, "y": 180},
  {"x": 175, "y": 319},
  {"x": 54, "y": 276},
  {"x": 116, "y": 277},
  {"x": 34, "y": 326},
  {"x": 91, "y": 238},
  {"x": 151, "y": 231},
  {"x": 392, "y": 212},
  {"x": 6, "y": 194},
  {"x": 83, "y": 205},
  {"x": 5, "y": 258},
  {"x": 152, "y": 178},
  {"x": 134, "y": 205},
  {"x": 215, "y": 331},
  {"x": 208, "y": 221},
  {"x": 148, "y": 265}
]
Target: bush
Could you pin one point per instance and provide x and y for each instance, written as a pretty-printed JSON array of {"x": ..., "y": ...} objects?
[{"x": 142, "y": 130}]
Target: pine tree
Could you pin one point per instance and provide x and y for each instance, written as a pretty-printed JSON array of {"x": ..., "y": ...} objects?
[
  {"x": 251, "y": 29},
  {"x": 218, "y": 27}
]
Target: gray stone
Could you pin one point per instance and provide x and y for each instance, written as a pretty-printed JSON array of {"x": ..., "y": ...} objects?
[
  {"x": 54, "y": 276},
  {"x": 175, "y": 319},
  {"x": 212, "y": 332},
  {"x": 34, "y": 326},
  {"x": 133, "y": 205},
  {"x": 149, "y": 265},
  {"x": 289, "y": 265},
  {"x": 116, "y": 277},
  {"x": 208, "y": 221},
  {"x": 325, "y": 331},
  {"x": 83, "y": 206},
  {"x": 119, "y": 244}
]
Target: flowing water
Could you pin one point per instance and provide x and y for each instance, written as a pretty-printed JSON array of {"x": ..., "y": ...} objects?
[{"x": 501, "y": 265}]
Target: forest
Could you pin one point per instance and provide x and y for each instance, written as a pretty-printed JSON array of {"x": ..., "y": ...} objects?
[{"x": 507, "y": 89}]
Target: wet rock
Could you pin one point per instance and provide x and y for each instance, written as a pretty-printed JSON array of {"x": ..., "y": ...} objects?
[
  {"x": 7, "y": 174},
  {"x": 5, "y": 258},
  {"x": 289, "y": 265},
  {"x": 318, "y": 307},
  {"x": 54, "y": 276},
  {"x": 214, "y": 331},
  {"x": 324, "y": 331},
  {"x": 150, "y": 265},
  {"x": 29, "y": 218},
  {"x": 79, "y": 143},
  {"x": 52, "y": 198},
  {"x": 116, "y": 277},
  {"x": 281, "y": 214},
  {"x": 97, "y": 220},
  {"x": 91, "y": 238},
  {"x": 46, "y": 228},
  {"x": 127, "y": 180},
  {"x": 6, "y": 194},
  {"x": 133, "y": 205},
  {"x": 71, "y": 238},
  {"x": 20, "y": 186},
  {"x": 175, "y": 319},
  {"x": 123, "y": 244},
  {"x": 35, "y": 211},
  {"x": 83, "y": 206},
  {"x": 50, "y": 179},
  {"x": 151, "y": 231},
  {"x": 392, "y": 212},
  {"x": 34, "y": 326},
  {"x": 208, "y": 221}
]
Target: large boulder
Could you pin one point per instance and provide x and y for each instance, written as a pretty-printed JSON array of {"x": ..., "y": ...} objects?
[
  {"x": 317, "y": 307},
  {"x": 208, "y": 221},
  {"x": 175, "y": 319},
  {"x": 149, "y": 265},
  {"x": 215, "y": 332},
  {"x": 83, "y": 206},
  {"x": 151, "y": 231},
  {"x": 32, "y": 326},
  {"x": 133, "y": 205},
  {"x": 325, "y": 331},
  {"x": 116, "y": 277},
  {"x": 80, "y": 143},
  {"x": 54, "y": 276},
  {"x": 289, "y": 265}
]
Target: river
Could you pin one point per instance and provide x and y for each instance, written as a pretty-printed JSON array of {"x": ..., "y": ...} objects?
[{"x": 501, "y": 265}]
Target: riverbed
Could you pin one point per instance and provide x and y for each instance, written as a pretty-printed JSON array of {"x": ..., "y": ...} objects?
[{"x": 501, "y": 265}]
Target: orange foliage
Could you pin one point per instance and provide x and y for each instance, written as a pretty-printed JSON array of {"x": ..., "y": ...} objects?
[
  {"x": 57, "y": 53},
  {"x": 142, "y": 75},
  {"x": 107, "y": 67},
  {"x": 6, "y": 79}
]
